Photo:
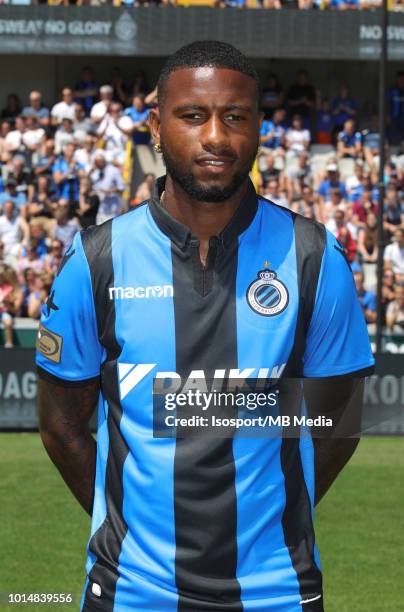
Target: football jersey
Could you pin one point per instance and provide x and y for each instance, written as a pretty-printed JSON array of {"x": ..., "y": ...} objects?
[{"x": 195, "y": 523}]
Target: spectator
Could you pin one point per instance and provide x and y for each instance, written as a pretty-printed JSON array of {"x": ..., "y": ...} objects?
[
  {"x": 4, "y": 154},
  {"x": 63, "y": 109},
  {"x": 388, "y": 284},
  {"x": 344, "y": 107},
  {"x": 86, "y": 90},
  {"x": 140, "y": 116},
  {"x": 274, "y": 195},
  {"x": 11, "y": 299},
  {"x": 339, "y": 228},
  {"x": 14, "y": 230},
  {"x": 22, "y": 175},
  {"x": 371, "y": 145},
  {"x": 144, "y": 191},
  {"x": 301, "y": 97},
  {"x": 272, "y": 96},
  {"x": 272, "y": 135},
  {"x": 85, "y": 154},
  {"x": 29, "y": 259},
  {"x": 298, "y": 176},
  {"x": 38, "y": 296},
  {"x": 367, "y": 240},
  {"x": 12, "y": 109},
  {"x": 66, "y": 175},
  {"x": 14, "y": 138},
  {"x": 41, "y": 198},
  {"x": 325, "y": 123},
  {"x": 46, "y": 159},
  {"x": 53, "y": 259},
  {"x": 33, "y": 138},
  {"x": 36, "y": 109},
  {"x": 332, "y": 181},
  {"x": 109, "y": 186},
  {"x": 12, "y": 195},
  {"x": 64, "y": 135},
  {"x": 82, "y": 125},
  {"x": 297, "y": 137},
  {"x": 349, "y": 141},
  {"x": 395, "y": 310},
  {"x": 120, "y": 89},
  {"x": 268, "y": 168},
  {"x": 396, "y": 109},
  {"x": 89, "y": 203},
  {"x": 362, "y": 207},
  {"x": 393, "y": 211},
  {"x": 63, "y": 228},
  {"x": 306, "y": 205},
  {"x": 367, "y": 299},
  {"x": 394, "y": 253},
  {"x": 100, "y": 109},
  {"x": 353, "y": 183},
  {"x": 113, "y": 134}
]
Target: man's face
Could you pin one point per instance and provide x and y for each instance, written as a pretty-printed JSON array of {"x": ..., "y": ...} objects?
[
  {"x": 9, "y": 209},
  {"x": 35, "y": 100},
  {"x": 399, "y": 296},
  {"x": 138, "y": 104},
  {"x": 67, "y": 95},
  {"x": 358, "y": 281},
  {"x": 399, "y": 237},
  {"x": 208, "y": 129}
]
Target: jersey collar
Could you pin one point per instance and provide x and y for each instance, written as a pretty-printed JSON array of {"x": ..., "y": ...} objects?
[{"x": 182, "y": 235}]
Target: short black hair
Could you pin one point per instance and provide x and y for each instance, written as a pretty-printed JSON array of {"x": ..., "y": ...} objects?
[{"x": 212, "y": 53}]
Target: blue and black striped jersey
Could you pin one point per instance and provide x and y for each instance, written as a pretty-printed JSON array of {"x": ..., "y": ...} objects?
[{"x": 194, "y": 524}]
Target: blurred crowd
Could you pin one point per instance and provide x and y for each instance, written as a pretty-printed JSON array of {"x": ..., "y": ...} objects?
[
  {"x": 66, "y": 166},
  {"x": 340, "y": 5}
]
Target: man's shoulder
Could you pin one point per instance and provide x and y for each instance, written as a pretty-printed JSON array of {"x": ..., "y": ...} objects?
[{"x": 98, "y": 238}]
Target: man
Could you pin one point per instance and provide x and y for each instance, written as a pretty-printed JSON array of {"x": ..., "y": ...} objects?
[
  {"x": 66, "y": 175},
  {"x": 349, "y": 141},
  {"x": 330, "y": 182},
  {"x": 196, "y": 524},
  {"x": 108, "y": 184},
  {"x": 344, "y": 107},
  {"x": 100, "y": 109},
  {"x": 35, "y": 109},
  {"x": 63, "y": 109},
  {"x": 139, "y": 114},
  {"x": 394, "y": 253},
  {"x": 367, "y": 298},
  {"x": 301, "y": 97},
  {"x": 396, "y": 104}
]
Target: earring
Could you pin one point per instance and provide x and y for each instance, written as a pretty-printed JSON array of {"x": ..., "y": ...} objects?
[{"x": 157, "y": 148}]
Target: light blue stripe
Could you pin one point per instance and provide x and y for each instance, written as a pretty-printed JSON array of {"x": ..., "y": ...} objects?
[
  {"x": 146, "y": 332},
  {"x": 264, "y": 570}
]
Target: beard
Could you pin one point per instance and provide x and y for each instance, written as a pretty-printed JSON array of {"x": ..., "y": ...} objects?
[{"x": 205, "y": 193}]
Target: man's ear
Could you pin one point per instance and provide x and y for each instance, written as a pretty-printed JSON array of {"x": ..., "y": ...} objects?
[{"x": 154, "y": 123}]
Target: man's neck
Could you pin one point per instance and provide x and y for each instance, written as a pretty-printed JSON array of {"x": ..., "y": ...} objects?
[{"x": 204, "y": 219}]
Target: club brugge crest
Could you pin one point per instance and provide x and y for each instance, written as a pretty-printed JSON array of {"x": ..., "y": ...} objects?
[{"x": 267, "y": 295}]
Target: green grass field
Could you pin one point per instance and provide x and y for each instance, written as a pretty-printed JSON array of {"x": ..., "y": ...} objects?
[{"x": 359, "y": 526}]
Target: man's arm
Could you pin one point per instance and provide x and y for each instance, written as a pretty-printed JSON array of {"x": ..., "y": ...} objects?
[
  {"x": 330, "y": 456},
  {"x": 64, "y": 415},
  {"x": 339, "y": 398}
]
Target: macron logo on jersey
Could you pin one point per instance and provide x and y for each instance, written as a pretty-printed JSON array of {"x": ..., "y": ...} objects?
[
  {"x": 130, "y": 374},
  {"x": 130, "y": 293}
]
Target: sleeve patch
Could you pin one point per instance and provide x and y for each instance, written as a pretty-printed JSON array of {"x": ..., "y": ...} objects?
[{"x": 49, "y": 344}]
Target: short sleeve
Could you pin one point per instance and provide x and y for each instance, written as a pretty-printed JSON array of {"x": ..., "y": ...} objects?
[
  {"x": 337, "y": 340},
  {"x": 67, "y": 345}
]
